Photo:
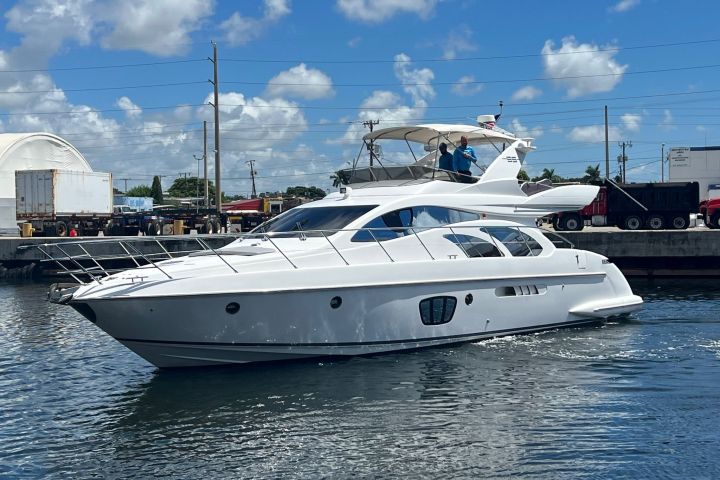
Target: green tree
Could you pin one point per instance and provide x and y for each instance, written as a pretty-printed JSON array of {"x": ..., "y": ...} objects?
[
  {"x": 309, "y": 192},
  {"x": 139, "y": 191},
  {"x": 592, "y": 174},
  {"x": 190, "y": 187},
  {"x": 522, "y": 175},
  {"x": 156, "y": 191}
]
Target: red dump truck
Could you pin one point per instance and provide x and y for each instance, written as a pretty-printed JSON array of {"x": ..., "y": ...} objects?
[{"x": 635, "y": 206}]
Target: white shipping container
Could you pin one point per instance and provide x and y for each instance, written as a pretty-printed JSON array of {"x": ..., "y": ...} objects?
[
  {"x": 48, "y": 194},
  {"x": 695, "y": 164}
]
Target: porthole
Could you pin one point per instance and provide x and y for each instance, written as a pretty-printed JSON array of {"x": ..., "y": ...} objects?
[
  {"x": 468, "y": 299},
  {"x": 335, "y": 302},
  {"x": 232, "y": 308}
]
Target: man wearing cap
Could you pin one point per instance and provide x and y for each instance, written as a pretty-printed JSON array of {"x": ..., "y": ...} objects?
[{"x": 462, "y": 156}]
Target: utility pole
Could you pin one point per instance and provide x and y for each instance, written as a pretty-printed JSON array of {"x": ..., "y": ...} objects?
[
  {"x": 125, "y": 180},
  {"x": 207, "y": 186},
  {"x": 662, "y": 162},
  {"x": 624, "y": 144},
  {"x": 216, "y": 105},
  {"x": 197, "y": 184},
  {"x": 252, "y": 175},
  {"x": 607, "y": 147},
  {"x": 370, "y": 124}
]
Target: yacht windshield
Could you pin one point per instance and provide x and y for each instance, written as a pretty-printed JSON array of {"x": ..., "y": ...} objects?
[{"x": 314, "y": 218}]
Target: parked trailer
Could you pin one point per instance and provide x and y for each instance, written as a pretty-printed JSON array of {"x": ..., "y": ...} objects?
[
  {"x": 162, "y": 221},
  {"x": 634, "y": 206},
  {"x": 63, "y": 202}
]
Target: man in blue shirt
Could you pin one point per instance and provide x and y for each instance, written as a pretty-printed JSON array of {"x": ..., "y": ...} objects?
[
  {"x": 446, "y": 159},
  {"x": 462, "y": 156}
]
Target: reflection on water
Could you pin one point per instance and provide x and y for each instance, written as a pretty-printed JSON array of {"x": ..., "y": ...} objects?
[{"x": 636, "y": 398}]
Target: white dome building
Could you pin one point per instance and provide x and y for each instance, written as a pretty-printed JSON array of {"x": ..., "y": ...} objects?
[{"x": 31, "y": 151}]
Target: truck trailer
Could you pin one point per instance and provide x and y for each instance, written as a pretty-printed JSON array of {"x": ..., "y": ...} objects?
[
  {"x": 635, "y": 206},
  {"x": 63, "y": 202}
]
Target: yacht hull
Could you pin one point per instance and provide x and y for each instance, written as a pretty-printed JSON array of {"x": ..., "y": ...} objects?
[{"x": 197, "y": 330}]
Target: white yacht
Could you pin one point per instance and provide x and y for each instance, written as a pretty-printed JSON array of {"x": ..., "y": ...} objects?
[{"x": 400, "y": 258}]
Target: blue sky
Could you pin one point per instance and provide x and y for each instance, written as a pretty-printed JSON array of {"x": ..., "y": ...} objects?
[{"x": 126, "y": 82}]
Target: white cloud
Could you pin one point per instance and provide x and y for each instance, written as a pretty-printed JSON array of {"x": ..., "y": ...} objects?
[
  {"x": 527, "y": 92},
  {"x": 668, "y": 122},
  {"x": 458, "y": 41},
  {"x": 593, "y": 70},
  {"x": 388, "y": 106},
  {"x": 45, "y": 25},
  {"x": 239, "y": 30},
  {"x": 631, "y": 121},
  {"x": 593, "y": 134},
  {"x": 377, "y": 11},
  {"x": 275, "y": 9},
  {"x": 467, "y": 86},
  {"x": 624, "y": 6},
  {"x": 159, "y": 27},
  {"x": 131, "y": 110},
  {"x": 266, "y": 122},
  {"x": 416, "y": 82},
  {"x": 522, "y": 131},
  {"x": 302, "y": 82},
  {"x": 354, "y": 42}
]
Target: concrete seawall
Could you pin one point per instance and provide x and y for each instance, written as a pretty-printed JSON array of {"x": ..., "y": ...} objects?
[{"x": 694, "y": 252}]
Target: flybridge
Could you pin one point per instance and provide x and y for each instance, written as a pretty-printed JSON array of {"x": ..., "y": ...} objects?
[{"x": 428, "y": 137}]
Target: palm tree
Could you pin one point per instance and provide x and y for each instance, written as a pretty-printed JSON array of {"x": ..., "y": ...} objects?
[
  {"x": 549, "y": 173},
  {"x": 337, "y": 179},
  {"x": 592, "y": 174}
]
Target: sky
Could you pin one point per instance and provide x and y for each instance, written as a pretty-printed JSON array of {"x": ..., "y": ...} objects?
[{"x": 128, "y": 83}]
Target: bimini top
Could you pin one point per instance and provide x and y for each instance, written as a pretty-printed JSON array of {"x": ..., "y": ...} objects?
[{"x": 431, "y": 134}]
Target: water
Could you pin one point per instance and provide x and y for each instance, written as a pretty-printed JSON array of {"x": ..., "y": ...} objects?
[{"x": 638, "y": 398}]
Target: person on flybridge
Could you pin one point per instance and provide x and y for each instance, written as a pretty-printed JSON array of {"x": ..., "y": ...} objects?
[
  {"x": 445, "y": 162},
  {"x": 462, "y": 156}
]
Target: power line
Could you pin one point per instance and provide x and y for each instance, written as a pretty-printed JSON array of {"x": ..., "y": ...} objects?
[
  {"x": 98, "y": 89},
  {"x": 466, "y": 59},
  {"x": 514, "y": 80},
  {"x": 103, "y": 67},
  {"x": 356, "y": 61},
  {"x": 429, "y": 107}
]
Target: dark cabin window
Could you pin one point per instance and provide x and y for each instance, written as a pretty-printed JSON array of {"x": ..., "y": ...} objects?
[
  {"x": 520, "y": 244},
  {"x": 474, "y": 247},
  {"x": 400, "y": 223},
  {"x": 314, "y": 218}
]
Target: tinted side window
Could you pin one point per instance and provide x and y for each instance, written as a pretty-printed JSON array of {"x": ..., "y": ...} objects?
[
  {"x": 314, "y": 218},
  {"x": 474, "y": 247},
  {"x": 518, "y": 243},
  {"x": 397, "y": 224}
]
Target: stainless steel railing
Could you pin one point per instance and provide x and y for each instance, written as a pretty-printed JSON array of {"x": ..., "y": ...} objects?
[{"x": 87, "y": 259}]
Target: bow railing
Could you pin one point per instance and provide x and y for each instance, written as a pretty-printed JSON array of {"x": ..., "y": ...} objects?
[{"x": 95, "y": 259}]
